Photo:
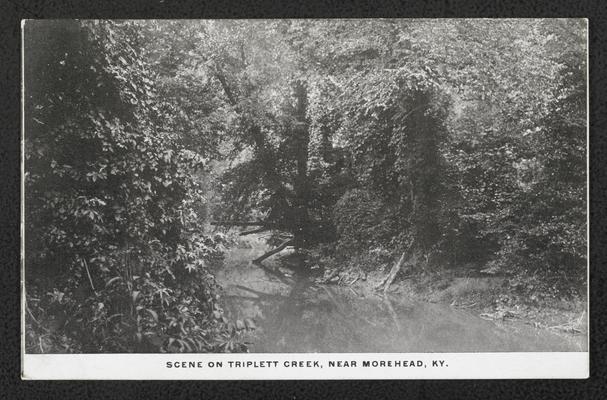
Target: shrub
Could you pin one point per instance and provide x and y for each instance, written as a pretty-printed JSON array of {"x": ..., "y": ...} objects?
[
  {"x": 115, "y": 261},
  {"x": 362, "y": 222}
]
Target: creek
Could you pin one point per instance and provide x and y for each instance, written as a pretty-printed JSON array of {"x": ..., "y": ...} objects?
[{"x": 293, "y": 314}]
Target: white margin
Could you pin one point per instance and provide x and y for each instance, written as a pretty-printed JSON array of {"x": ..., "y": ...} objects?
[
  {"x": 279, "y": 366},
  {"x": 545, "y": 365}
]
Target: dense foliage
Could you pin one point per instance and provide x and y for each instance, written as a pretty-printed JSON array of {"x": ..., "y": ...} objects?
[
  {"x": 499, "y": 172},
  {"x": 462, "y": 140},
  {"x": 472, "y": 134},
  {"x": 116, "y": 259}
]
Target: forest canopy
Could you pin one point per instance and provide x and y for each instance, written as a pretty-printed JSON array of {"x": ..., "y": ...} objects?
[{"x": 445, "y": 143}]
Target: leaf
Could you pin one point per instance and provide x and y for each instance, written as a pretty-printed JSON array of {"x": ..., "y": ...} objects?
[
  {"x": 135, "y": 295},
  {"x": 114, "y": 279},
  {"x": 153, "y": 313}
]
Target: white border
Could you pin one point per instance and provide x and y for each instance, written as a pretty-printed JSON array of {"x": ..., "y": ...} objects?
[
  {"x": 571, "y": 365},
  {"x": 554, "y": 365}
]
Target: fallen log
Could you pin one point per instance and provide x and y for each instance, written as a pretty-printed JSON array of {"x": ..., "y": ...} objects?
[
  {"x": 245, "y": 233},
  {"x": 392, "y": 274},
  {"x": 241, "y": 223},
  {"x": 396, "y": 268},
  {"x": 272, "y": 252}
]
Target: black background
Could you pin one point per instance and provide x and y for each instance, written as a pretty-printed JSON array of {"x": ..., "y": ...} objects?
[{"x": 11, "y": 387}]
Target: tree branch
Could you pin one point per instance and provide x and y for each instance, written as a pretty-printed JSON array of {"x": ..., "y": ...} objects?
[
  {"x": 242, "y": 223},
  {"x": 272, "y": 252},
  {"x": 226, "y": 88},
  {"x": 83, "y": 262},
  {"x": 245, "y": 233}
]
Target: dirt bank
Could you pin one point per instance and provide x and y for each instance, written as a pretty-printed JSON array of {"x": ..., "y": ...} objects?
[{"x": 489, "y": 297}]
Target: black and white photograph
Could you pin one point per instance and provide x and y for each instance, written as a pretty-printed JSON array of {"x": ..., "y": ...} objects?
[{"x": 302, "y": 198}]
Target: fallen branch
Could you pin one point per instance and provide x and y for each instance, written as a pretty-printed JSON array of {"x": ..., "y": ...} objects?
[
  {"x": 245, "y": 233},
  {"x": 272, "y": 252},
  {"x": 241, "y": 223},
  {"x": 396, "y": 268},
  {"x": 392, "y": 274},
  {"x": 83, "y": 261}
]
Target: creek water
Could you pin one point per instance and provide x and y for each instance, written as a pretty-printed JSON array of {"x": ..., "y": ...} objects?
[{"x": 292, "y": 314}]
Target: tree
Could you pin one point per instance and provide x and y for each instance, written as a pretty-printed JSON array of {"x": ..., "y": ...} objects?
[
  {"x": 115, "y": 261},
  {"x": 508, "y": 148},
  {"x": 457, "y": 139},
  {"x": 270, "y": 129}
]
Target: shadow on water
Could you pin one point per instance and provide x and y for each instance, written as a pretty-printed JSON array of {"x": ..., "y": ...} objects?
[{"x": 293, "y": 314}]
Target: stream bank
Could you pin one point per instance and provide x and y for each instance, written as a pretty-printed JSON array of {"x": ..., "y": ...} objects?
[
  {"x": 295, "y": 308},
  {"x": 488, "y": 297}
]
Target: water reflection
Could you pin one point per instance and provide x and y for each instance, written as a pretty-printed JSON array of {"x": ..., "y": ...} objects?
[{"x": 293, "y": 314}]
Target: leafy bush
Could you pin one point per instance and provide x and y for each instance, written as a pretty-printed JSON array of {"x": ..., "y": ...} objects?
[
  {"x": 362, "y": 222},
  {"x": 115, "y": 259}
]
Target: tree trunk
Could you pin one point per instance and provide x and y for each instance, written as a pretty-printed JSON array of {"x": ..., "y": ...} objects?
[
  {"x": 292, "y": 204},
  {"x": 301, "y": 136},
  {"x": 262, "y": 145}
]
